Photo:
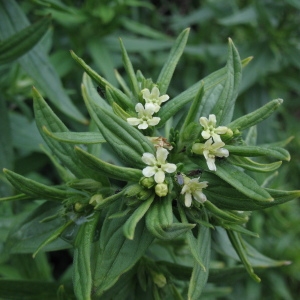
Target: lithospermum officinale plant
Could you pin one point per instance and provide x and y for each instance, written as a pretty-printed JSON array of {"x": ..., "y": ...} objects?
[{"x": 157, "y": 184}]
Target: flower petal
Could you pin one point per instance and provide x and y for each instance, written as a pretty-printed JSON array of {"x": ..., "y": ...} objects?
[
  {"x": 212, "y": 119},
  {"x": 204, "y": 122},
  {"x": 159, "y": 176},
  {"x": 149, "y": 171},
  {"x": 133, "y": 121},
  {"x": 221, "y": 129},
  {"x": 154, "y": 121},
  {"x": 206, "y": 135},
  {"x": 161, "y": 155},
  {"x": 187, "y": 199},
  {"x": 222, "y": 152},
  {"x": 143, "y": 125},
  {"x": 149, "y": 159},
  {"x": 199, "y": 196},
  {"x": 139, "y": 108},
  {"x": 169, "y": 168},
  {"x": 211, "y": 163}
]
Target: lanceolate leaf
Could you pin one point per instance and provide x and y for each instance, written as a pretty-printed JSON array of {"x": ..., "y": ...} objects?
[
  {"x": 36, "y": 63},
  {"x": 256, "y": 116},
  {"x": 200, "y": 276},
  {"x": 251, "y": 165},
  {"x": 122, "y": 98},
  {"x": 126, "y": 140},
  {"x": 36, "y": 189},
  {"x": 238, "y": 179},
  {"x": 107, "y": 169},
  {"x": 22, "y": 41},
  {"x": 76, "y": 137},
  {"x": 211, "y": 81},
  {"x": 225, "y": 104},
  {"x": 159, "y": 220},
  {"x": 65, "y": 152},
  {"x": 167, "y": 71},
  {"x": 250, "y": 151},
  {"x": 115, "y": 254},
  {"x": 82, "y": 273},
  {"x": 131, "y": 223}
]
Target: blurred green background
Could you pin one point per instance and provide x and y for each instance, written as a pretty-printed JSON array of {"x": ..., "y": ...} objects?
[{"x": 268, "y": 30}]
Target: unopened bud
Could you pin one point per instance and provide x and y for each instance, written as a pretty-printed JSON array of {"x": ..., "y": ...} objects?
[
  {"x": 96, "y": 199},
  {"x": 147, "y": 182},
  {"x": 161, "y": 189}
]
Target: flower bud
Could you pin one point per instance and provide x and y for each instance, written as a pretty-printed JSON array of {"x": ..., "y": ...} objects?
[
  {"x": 161, "y": 189},
  {"x": 78, "y": 206},
  {"x": 198, "y": 148},
  {"x": 96, "y": 199},
  {"x": 159, "y": 279},
  {"x": 147, "y": 182}
]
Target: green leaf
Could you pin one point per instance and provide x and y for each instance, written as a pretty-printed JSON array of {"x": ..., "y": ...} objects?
[
  {"x": 131, "y": 223},
  {"x": 76, "y": 137},
  {"x": 199, "y": 276},
  {"x": 159, "y": 220},
  {"x": 225, "y": 104},
  {"x": 256, "y": 116},
  {"x": 215, "y": 79},
  {"x": 126, "y": 141},
  {"x": 36, "y": 189},
  {"x": 52, "y": 237},
  {"x": 238, "y": 179},
  {"x": 28, "y": 234},
  {"x": 46, "y": 117},
  {"x": 82, "y": 274},
  {"x": 6, "y": 146},
  {"x": 121, "y": 98},
  {"x": 251, "y": 165},
  {"x": 27, "y": 289},
  {"x": 107, "y": 169},
  {"x": 36, "y": 63},
  {"x": 115, "y": 254},
  {"x": 239, "y": 247},
  {"x": 167, "y": 71},
  {"x": 252, "y": 151},
  {"x": 130, "y": 72},
  {"x": 224, "y": 196},
  {"x": 22, "y": 41}
]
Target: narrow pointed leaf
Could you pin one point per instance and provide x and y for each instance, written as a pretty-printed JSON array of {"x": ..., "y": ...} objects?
[
  {"x": 159, "y": 221},
  {"x": 251, "y": 151},
  {"x": 53, "y": 237},
  {"x": 36, "y": 62},
  {"x": 237, "y": 244},
  {"x": 167, "y": 71},
  {"x": 238, "y": 179},
  {"x": 109, "y": 263},
  {"x": 122, "y": 98},
  {"x": 131, "y": 223},
  {"x": 82, "y": 273},
  {"x": 125, "y": 140},
  {"x": 112, "y": 171},
  {"x": 252, "y": 165},
  {"x": 45, "y": 116},
  {"x": 256, "y": 116},
  {"x": 199, "y": 276},
  {"x": 225, "y": 104},
  {"x": 22, "y": 41},
  {"x": 76, "y": 137},
  {"x": 130, "y": 71},
  {"x": 35, "y": 189}
]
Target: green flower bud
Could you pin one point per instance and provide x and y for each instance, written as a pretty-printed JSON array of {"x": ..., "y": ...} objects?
[
  {"x": 161, "y": 189},
  {"x": 198, "y": 148},
  {"x": 159, "y": 279},
  {"x": 147, "y": 182},
  {"x": 133, "y": 190},
  {"x": 96, "y": 199},
  {"x": 144, "y": 194},
  {"x": 79, "y": 206}
]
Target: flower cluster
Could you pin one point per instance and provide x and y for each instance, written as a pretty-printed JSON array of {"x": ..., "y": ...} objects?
[
  {"x": 153, "y": 101},
  {"x": 212, "y": 148}
]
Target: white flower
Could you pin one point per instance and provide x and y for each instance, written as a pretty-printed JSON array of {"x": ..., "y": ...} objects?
[
  {"x": 145, "y": 118},
  {"x": 210, "y": 129},
  {"x": 193, "y": 189},
  {"x": 158, "y": 165},
  {"x": 154, "y": 98},
  {"x": 210, "y": 150}
]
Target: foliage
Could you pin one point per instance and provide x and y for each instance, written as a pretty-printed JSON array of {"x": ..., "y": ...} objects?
[{"x": 260, "y": 28}]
